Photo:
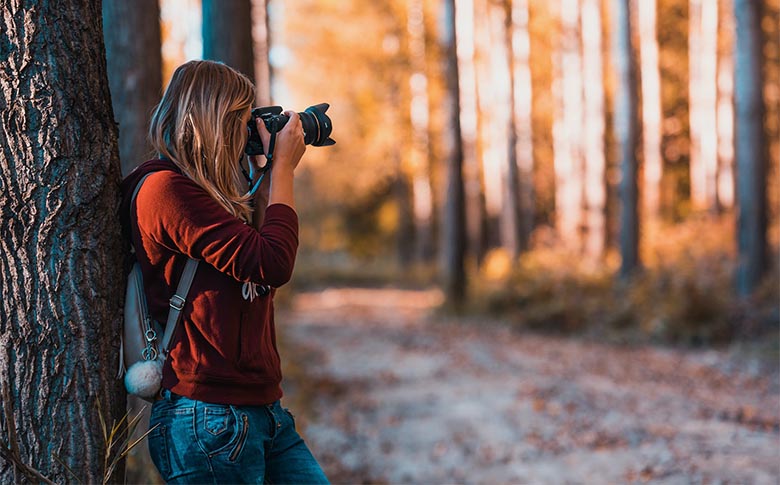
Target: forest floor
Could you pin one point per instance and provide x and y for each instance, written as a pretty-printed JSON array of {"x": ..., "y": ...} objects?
[{"x": 387, "y": 391}]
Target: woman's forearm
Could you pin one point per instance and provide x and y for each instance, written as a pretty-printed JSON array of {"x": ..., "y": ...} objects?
[{"x": 282, "y": 186}]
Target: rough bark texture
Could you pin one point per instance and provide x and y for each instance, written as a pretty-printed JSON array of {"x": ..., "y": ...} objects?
[
  {"x": 132, "y": 36},
  {"x": 626, "y": 134},
  {"x": 453, "y": 221},
  {"x": 750, "y": 146},
  {"x": 227, "y": 34},
  {"x": 60, "y": 244}
]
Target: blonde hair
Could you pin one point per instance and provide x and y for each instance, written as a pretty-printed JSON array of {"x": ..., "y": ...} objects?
[{"x": 199, "y": 125}]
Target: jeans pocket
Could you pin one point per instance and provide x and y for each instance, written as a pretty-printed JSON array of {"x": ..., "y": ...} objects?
[
  {"x": 158, "y": 450},
  {"x": 217, "y": 427}
]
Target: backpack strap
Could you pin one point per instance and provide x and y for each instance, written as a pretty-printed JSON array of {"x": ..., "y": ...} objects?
[{"x": 179, "y": 298}]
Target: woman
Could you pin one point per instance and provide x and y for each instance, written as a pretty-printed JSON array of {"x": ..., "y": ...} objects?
[{"x": 218, "y": 418}]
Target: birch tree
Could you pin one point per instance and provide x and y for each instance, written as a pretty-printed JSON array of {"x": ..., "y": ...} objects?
[
  {"x": 651, "y": 110},
  {"x": 62, "y": 256},
  {"x": 261, "y": 37}
]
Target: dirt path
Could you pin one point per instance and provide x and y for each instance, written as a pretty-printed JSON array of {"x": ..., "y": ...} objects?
[{"x": 393, "y": 394}]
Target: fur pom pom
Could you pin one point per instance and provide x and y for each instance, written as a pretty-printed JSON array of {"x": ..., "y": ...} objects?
[{"x": 143, "y": 378}]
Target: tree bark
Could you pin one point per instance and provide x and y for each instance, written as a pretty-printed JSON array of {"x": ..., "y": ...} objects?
[
  {"x": 626, "y": 134},
  {"x": 134, "y": 73},
  {"x": 62, "y": 255},
  {"x": 227, "y": 34},
  {"x": 725, "y": 174},
  {"x": 750, "y": 147},
  {"x": 453, "y": 234}
]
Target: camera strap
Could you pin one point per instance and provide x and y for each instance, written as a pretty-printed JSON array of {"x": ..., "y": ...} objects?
[{"x": 269, "y": 155}]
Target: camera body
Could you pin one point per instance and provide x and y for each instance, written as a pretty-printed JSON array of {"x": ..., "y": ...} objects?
[{"x": 317, "y": 126}]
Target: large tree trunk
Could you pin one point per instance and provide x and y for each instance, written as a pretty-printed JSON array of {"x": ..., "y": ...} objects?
[
  {"x": 453, "y": 232},
  {"x": 134, "y": 73},
  {"x": 751, "y": 147},
  {"x": 227, "y": 34},
  {"x": 261, "y": 34},
  {"x": 626, "y": 134},
  {"x": 61, "y": 264}
]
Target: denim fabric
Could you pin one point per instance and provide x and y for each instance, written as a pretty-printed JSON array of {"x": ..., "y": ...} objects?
[{"x": 197, "y": 442}]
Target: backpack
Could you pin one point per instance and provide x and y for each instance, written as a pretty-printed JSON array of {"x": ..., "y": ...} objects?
[{"x": 141, "y": 352}]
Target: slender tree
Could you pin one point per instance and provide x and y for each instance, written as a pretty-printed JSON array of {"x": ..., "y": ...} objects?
[
  {"x": 453, "y": 233},
  {"x": 261, "y": 33},
  {"x": 61, "y": 263},
  {"x": 751, "y": 146},
  {"x": 227, "y": 33},
  {"x": 134, "y": 63},
  {"x": 519, "y": 206},
  {"x": 725, "y": 173},
  {"x": 625, "y": 126},
  {"x": 651, "y": 110}
]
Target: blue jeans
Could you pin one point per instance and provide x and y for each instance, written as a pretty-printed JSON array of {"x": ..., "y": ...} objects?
[{"x": 198, "y": 442}]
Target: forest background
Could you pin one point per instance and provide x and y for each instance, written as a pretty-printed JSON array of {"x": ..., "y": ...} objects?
[{"x": 607, "y": 169}]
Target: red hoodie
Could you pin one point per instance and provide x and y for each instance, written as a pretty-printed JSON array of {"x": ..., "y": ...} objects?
[{"x": 224, "y": 349}]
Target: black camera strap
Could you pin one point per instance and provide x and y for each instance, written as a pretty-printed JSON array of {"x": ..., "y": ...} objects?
[{"x": 269, "y": 155}]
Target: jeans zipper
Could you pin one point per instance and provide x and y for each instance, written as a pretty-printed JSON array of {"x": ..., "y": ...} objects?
[{"x": 241, "y": 438}]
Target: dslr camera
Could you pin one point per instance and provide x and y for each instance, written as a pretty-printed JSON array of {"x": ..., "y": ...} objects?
[{"x": 316, "y": 126}]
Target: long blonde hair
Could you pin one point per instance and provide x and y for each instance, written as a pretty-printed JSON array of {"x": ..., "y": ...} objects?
[{"x": 199, "y": 125}]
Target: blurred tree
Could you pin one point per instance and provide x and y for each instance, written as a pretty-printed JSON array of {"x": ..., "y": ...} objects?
[
  {"x": 651, "y": 111},
  {"x": 724, "y": 185},
  {"x": 626, "y": 133},
  {"x": 134, "y": 60},
  {"x": 469, "y": 122},
  {"x": 261, "y": 34},
  {"x": 703, "y": 49},
  {"x": 419, "y": 109},
  {"x": 518, "y": 214},
  {"x": 227, "y": 34},
  {"x": 751, "y": 146},
  {"x": 567, "y": 128},
  {"x": 593, "y": 126},
  {"x": 453, "y": 233},
  {"x": 62, "y": 255}
]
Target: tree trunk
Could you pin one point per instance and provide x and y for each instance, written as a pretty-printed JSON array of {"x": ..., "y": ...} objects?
[
  {"x": 62, "y": 255},
  {"x": 651, "y": 111},
  {"x": 593, "y": 124},
  {"x": 227, "y": 34},
  {"x": 751, "y": 147},
  {"x": 134, "y": 72},
  {"x": 626, "y": 135},
  {"x": 567, "y": 130},
  {"x": 703, "y": 99},
  {"x": 725, "y": 175},
  {"x": 418, "y": 114},
  {"x": 261, "y": 34},
  {"x": 519, "y": 206},
  {"x": 469, "y": 116},
  {"x": 453, "y": 233}
]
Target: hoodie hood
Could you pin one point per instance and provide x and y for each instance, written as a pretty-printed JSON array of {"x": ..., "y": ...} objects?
[{"x": 131, "y": 181}]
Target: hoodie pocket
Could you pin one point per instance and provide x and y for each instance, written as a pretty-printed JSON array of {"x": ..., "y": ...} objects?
[{"x": 250, "y": 356}]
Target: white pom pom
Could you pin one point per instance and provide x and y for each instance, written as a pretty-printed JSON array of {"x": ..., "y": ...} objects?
[{"x": 143, "y": 378}]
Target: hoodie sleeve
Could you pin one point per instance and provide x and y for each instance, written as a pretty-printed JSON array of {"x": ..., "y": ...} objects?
[{"x": 177, "y": 213}]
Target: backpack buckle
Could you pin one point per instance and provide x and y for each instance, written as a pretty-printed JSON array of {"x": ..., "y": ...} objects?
[{"x": 177, "y": 303}]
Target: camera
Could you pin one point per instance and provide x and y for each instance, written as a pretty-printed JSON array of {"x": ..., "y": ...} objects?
[{"x": 316, "y": 126}]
